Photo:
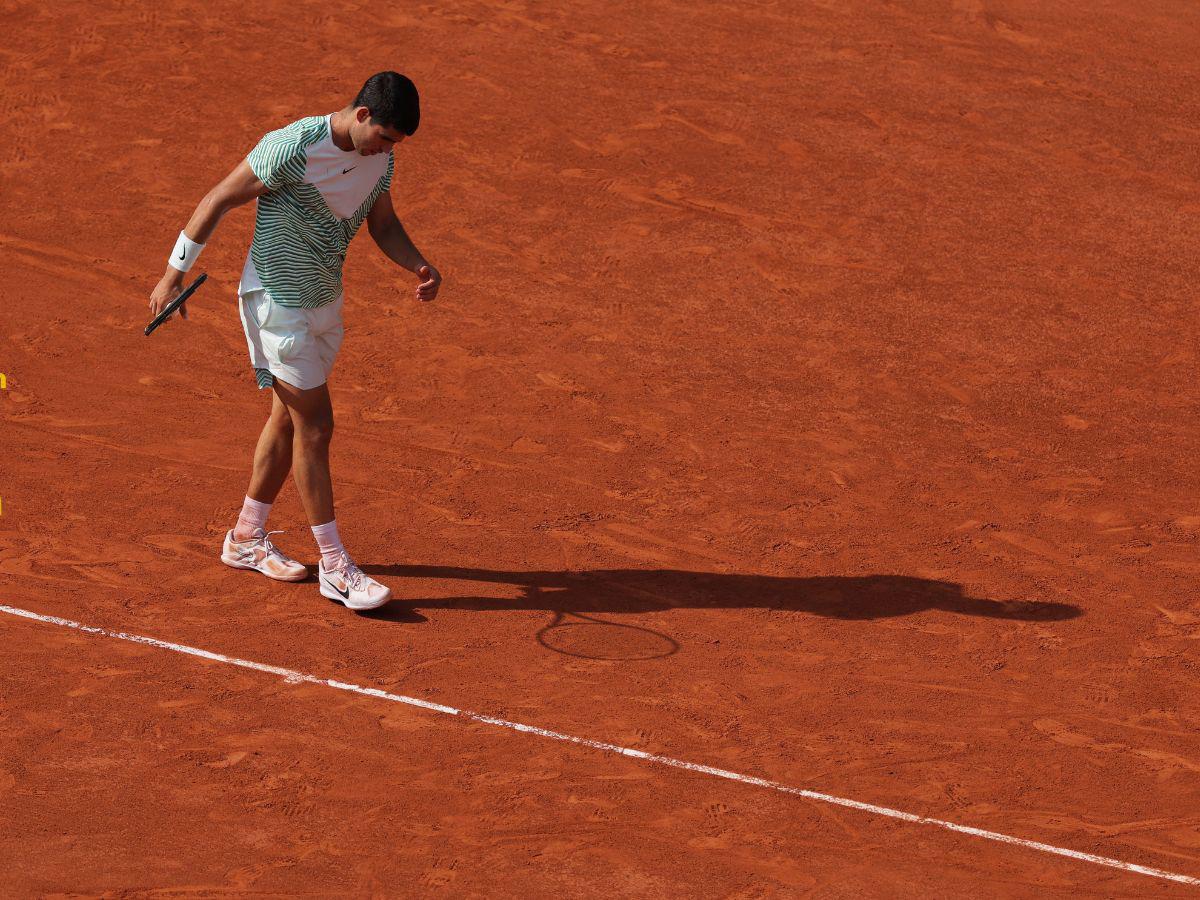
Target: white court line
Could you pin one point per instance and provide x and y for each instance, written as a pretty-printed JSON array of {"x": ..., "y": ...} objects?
[{"x": 292, "y": 677}]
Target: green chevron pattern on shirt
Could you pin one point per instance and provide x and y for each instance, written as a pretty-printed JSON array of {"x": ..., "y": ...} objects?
[{"x": 299, "y": 244}]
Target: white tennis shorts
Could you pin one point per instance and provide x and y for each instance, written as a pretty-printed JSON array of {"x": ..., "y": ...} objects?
[{"x": 293, "y": 344}]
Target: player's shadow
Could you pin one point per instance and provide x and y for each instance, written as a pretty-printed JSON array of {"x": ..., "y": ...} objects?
[{"x": 648, "y": 590}]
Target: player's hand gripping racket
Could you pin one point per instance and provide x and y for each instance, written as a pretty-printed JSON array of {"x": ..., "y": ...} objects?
[{"x": 176, "y": 303}]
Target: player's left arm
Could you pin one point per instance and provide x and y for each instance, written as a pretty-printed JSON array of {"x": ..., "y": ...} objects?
[{"x": 392, "y": 239}]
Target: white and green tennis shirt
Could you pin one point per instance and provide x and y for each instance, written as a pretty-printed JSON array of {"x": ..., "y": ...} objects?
[{"x": 318, "y": 197}]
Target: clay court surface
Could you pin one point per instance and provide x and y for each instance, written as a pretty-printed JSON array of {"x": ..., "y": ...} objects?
[{"x": 810, "y": 395}]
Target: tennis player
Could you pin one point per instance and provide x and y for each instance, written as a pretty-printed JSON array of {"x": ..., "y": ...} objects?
[{"x": 315, "y": 182}]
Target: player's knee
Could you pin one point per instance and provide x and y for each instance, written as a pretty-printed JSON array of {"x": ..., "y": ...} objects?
[
  {"x": 316, "y": 430},
  {"x": 281, "y": 421}
]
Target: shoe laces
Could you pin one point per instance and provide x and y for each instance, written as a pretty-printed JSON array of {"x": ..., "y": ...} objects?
[
  {"x": 271, "y": 549},
  {"x": 352, "y": 573},
  {"x": 263, "y": 539}
]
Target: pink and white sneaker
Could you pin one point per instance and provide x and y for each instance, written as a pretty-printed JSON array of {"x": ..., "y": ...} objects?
[
  {"x": 350, "y": 586},
  {"x": 259, "y": 554}
]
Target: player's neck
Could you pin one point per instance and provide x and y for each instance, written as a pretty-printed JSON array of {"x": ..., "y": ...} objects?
[{"x": 339, "y": 131}]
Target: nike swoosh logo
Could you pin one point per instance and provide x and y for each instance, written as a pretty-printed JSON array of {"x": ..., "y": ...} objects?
[
  {"x": 351, "y": 169},
  {"x": 181, "y": 255},
  {"x": 345, "y": 594}
]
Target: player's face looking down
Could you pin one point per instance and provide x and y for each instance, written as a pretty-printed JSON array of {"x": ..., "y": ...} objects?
[{"x": 370, "y": 138}]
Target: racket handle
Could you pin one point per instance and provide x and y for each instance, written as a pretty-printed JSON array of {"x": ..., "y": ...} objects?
[{"x": 176, "y": 303}]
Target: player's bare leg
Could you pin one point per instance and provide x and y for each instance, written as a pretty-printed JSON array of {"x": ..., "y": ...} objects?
[
  {"x": 311, "y": 414},
  {"x": 272, "y": 459},
  {"x": 312, "y": 420}
]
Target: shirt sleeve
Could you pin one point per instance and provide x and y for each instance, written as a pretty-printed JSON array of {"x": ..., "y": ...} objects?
[{"x": 278, "y": 159}]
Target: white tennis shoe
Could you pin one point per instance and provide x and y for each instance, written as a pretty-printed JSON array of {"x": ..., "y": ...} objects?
[
  {"x": 349, "y": 585},
  {"x": 259, "y": 554}
]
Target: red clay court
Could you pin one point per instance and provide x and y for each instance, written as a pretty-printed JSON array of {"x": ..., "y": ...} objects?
[{"x": 792, "y": 491}]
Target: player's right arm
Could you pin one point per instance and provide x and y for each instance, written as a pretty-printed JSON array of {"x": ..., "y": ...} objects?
[{"x": 237, "y": 188}]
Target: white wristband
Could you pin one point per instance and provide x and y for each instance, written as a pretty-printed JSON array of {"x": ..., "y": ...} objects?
[{"x": 186, "y": 252}]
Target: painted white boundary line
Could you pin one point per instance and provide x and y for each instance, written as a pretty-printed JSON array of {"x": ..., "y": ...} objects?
[{"x": 293, "y": 677}]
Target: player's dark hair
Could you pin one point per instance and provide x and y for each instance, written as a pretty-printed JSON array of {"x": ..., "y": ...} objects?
[{"x": 392, "y": 100}]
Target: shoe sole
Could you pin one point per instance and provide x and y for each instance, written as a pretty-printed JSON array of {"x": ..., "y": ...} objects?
[
  {"x": 233, "y": 564},
  {"x": 338, "y": 598}
]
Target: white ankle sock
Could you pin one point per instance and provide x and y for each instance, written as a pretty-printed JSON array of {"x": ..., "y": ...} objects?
[
  {"x": 328, "y": 543},
  {"x": 253, "y": 516}
]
